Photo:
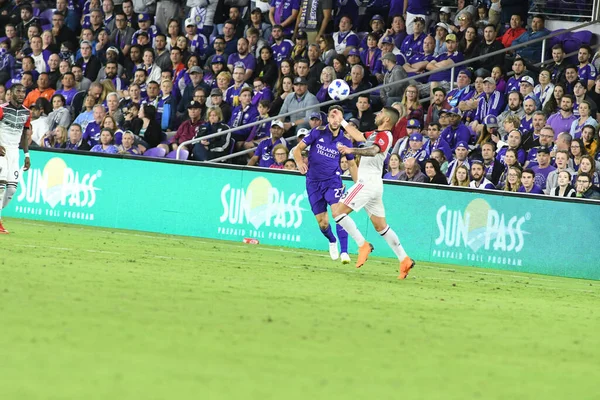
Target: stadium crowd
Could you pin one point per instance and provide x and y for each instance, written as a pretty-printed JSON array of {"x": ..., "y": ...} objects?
[{"x": 141, "y": 77}]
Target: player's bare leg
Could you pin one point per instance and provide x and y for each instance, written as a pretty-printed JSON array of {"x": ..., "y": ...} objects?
[
  {"x": 2, "y": 193},
  {"x": 341, "y": 213},
  {"x": 325, "y": 227},
  {"x": 387, "y": 233}
]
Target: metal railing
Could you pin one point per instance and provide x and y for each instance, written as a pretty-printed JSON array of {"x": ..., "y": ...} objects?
[
  {"x": 561, "y": 9},
  {"x": 354, "y": 95}
]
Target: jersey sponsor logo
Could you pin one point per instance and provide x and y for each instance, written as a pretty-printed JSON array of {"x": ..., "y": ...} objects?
[
  {"x": 479, "y": 232},
  {"x": 261, "y": 210},
  {"x": 56, "y": 184}
]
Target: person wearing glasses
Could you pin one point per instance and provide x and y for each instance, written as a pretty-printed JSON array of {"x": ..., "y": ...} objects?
[
  {"x": 584, "y": 187},
  {"x": 280, "y": 154}
]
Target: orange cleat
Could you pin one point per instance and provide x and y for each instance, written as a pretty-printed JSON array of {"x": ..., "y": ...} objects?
[
  {"x": 405, "y": 266},
  {"x": 2, "y": 230},
  {"x": 363, "y": 254}
]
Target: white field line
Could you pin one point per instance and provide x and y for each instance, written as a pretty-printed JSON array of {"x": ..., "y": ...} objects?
[{"x": 348, "y": 271}]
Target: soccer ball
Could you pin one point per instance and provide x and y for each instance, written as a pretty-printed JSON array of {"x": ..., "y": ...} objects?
[{"x": 338, "y": 90}]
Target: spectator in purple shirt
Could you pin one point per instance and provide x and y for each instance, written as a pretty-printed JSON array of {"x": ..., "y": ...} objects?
[
  {"x": 413, "y": 44},
  {"x": 528, "y": 183},
  {"x": 282, "y": 47},
  {"x": 263, "y": 154},
  {"x": 242, "y": 115},
  {"x": 68, "y": 88},
  {"x": 442, "y": 78},
  {"x": 543, "y": 169},
  {"x": 284, "y": 13},
  {"x": 562, "y": 120},
  {"x": 105, "y": 145},
  {"x": 491, "y": 102},
  {"x": 242, "y": 56}
]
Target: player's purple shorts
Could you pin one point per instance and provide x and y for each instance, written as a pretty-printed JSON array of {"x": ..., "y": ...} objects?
[{"x": 321, "y": 193}]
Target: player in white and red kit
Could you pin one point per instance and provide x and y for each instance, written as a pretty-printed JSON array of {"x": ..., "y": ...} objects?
[
  {"x": 14, "y": 122},
  {"x": 367, "y": 192}
]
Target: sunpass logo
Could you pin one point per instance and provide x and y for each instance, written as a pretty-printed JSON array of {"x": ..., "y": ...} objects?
[
  {"x": 57, "y": 184},
  {"x": 480, "y": 226},
  {"x": 261, "y": 204}
]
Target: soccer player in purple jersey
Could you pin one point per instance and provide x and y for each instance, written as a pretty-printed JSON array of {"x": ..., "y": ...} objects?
[{"x": 324, "y": 177}]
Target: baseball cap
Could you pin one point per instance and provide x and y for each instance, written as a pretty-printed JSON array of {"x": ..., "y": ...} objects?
[
  {"x": 143, "y": 18},
  {"x": 528, "y": 79},
  {"x": 277, "y": 123},
  {"x": 113, "y": 49},
  {"x": 489, "y": 79},
  {"x": 445, "y": 10},
  {"x": 195, "y": 70},
  {"x": 354, "y": 52},
  {"x": 451, "y": 38},
  {"x": 476, "y": 161},
  {"x": 315, "y": 115},
  {"x": 216, "y": 92},
  {"x": 194, "y": 104},
  {"x": 300, "y": 81},
  {"x": 438, "y": 89},
  {"x": 463, "y": 145},
  {"x": 301, "y": 132},
  {"x": 466, "y": 72},
  {"x": 491, "y": 121},
  {"x": 445, "y": 111},
  {"x": 416, "y": 137},
  {"x": 354, "y": 121},
  {"x": 454, "y": 110},
  {"x": 543, "y": 149},
  {"x": 388, "y": 40},
  {"x": 301, "y": 35},
  {"x": 389, "y": 57},
  {"x": 377, "y": 17},
  {"x": 189, "y": 22},
  {"x": 256, "y": 10},
  {"x": 414, "y": 124},
  {"x": 217, "y": 59},
  {"x": 444, "y": 26},
  {"x": 419, "y": 19}
]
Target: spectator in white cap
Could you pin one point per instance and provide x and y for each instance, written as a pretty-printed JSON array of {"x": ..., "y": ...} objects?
[
  {"x": 263, "y": 155},
  {"x": 441, "y": 31},
  {"x": 526, "y": 86},
  {"x": 490, "y": 102}
]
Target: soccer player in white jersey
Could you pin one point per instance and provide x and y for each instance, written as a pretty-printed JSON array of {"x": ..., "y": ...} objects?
[
  {"x": 367, "y": 192},
  {"x": 14, "y": 122}
]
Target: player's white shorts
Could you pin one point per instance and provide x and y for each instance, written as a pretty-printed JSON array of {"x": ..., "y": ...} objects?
[
  {"x": 9, "y": 166},
  {"x": 366, "y": 194}
]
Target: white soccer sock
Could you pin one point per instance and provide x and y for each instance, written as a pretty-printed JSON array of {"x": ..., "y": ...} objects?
[
  {"x": 350, "y": 226},
  {"x": 392, "y": 240},
  {"x": 2, "y": 191},
  {"x": 11, "y": 189}
]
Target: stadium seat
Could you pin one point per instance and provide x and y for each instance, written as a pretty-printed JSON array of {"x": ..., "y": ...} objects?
[
  {"x": 46, "y": 16},
  {"x": 157, "y": 152},
  {"x": 36, "y": 11},
  {"x": 585, "y": 37},
  {"x": 183, "y": 154}
]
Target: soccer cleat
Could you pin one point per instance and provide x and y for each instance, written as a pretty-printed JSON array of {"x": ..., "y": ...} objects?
[
  {"x": 345, "y": 258},
  {"x": 2, "y": 229},
  {"x": 333, "y": 251},
  {"x": 405, "y": 266},
  {"x": 363, "y": 254}
]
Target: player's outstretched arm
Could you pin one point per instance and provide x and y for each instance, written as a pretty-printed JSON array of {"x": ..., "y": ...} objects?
[
  {"x": 352, "y": 131},
  {"x": 353, "y": 168},
  {"x": 300, "y": 164},
  {"x": 367, "y": 151}
]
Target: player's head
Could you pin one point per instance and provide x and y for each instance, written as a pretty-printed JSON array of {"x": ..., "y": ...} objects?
[
  {"x": 387, "y": 118},
  {"x": 18, "y": 93},
  {"x": 331, "y": 120}
]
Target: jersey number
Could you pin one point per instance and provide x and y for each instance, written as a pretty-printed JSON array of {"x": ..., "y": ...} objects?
[{"x": 338, "y": 192}]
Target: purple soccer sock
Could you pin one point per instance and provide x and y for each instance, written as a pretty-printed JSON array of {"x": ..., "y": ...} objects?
[
  {"x": 328, "y": 233},
  {"x": 342, "y": 237}
]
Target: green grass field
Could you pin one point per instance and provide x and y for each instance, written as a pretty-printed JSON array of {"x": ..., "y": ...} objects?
[{"x": 103, "y": 314}]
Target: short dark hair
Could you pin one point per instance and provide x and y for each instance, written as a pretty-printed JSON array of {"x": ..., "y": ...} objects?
[
  {"x": 528, "y": 171},
  {"x": 335, "y": 107},
  {"x": 230, "y": 22},
  {"x": 540, "y": 16},
  {"x": 365, "y": 96},
  {"x": 558, "y": 46},
  {"x": 265, "y": 103}
]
